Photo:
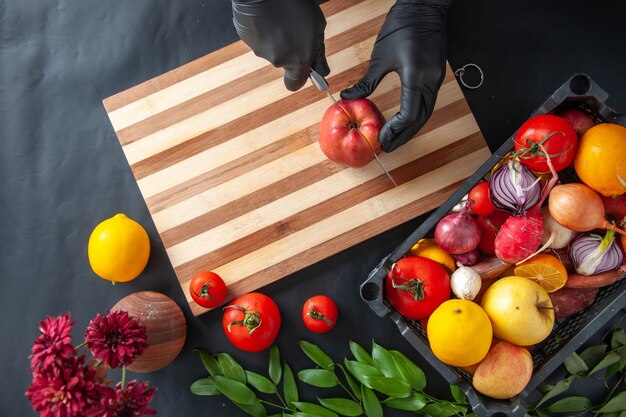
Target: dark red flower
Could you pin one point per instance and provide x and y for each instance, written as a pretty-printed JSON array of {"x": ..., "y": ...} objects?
[
  {"x": 54, "y": 344},
  {"x": 129, "y": 402},
  {"x": 116, "y": 339},
  {"x": 68, "y": 390}
]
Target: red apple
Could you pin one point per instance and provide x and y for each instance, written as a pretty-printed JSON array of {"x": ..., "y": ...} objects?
[
  {"x": 580, "y": 120},
  {"x": 349, "y": 132},
  {"x": 504, "y": 372},
  {"x": 615, "y": 208}
]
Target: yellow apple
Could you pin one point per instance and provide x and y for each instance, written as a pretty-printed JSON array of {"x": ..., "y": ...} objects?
[
  {"x": 505, "y": 371},
  {"x": 520, "y": 310}
]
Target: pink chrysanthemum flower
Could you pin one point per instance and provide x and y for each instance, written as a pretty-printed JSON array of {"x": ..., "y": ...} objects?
[
  {"x": 55, "y": 342},
  {"x": 69, "y": 390},
  {"x": 116, "y": 339},
  {"x": 129, "y": 402}
]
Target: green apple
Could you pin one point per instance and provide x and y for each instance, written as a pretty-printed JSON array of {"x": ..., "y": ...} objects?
[{"x": 520, "y": 310}]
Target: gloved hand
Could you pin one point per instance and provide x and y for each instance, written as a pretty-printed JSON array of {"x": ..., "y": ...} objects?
[
  {"x": 411, "y": 42},
  {"x": 288, "y": 33}
]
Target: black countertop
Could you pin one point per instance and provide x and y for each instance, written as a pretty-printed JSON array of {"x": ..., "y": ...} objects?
[{"x": 62, "y": 169}]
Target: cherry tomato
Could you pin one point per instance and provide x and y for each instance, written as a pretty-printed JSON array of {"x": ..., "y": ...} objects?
[
  {"x": 482, "y": 203},
  {"x": 319, "y": 314},
  {"x": 251, "y": 322},
  {"x": 207, "y": 289},
  {"x": 557, "y": 136},
  {"x": 416, "y": 286},
  {"x": 489, "y": 226}
]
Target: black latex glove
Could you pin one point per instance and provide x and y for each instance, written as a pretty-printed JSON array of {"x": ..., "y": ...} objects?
[
  {"x": 411, "y": 42},
  {"x": 288, "y": 33}
]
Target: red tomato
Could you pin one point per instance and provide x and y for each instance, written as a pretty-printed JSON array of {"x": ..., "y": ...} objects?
[
  {"x": 207, "y": 289},
  {"x": 349, "y": 132},
  {"x": 319, "y": 314},
  {"x": 482, "y": 203},
  {"x": 251, "y": 322},
  {"x": 489, "y": 226},
  {"x": 561, "y": 146},
  {"x": 416, "y": 286}
]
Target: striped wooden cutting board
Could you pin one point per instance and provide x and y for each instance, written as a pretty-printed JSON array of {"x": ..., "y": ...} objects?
[{"x": 228, "y": 162}]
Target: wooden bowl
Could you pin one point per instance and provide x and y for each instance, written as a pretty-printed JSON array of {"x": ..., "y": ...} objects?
[{"x": 166, "y": 326}]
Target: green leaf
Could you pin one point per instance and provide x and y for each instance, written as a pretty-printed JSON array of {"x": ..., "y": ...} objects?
[
  {"x": 618, "y": 339},
  {"x": 441, "y": 409},
  {"x": 616, "y": 367},
  {"x": 389, "y": 386},
  {"x": 457, "y": 394},
  {"x": 360, "y": 371},
  {"x": 317, "y": 355},
  {"x": 355, "y": 386},
  {"x": 360, "y": 354},
  {"x": 314, "y": 409},
  {"x": 541, "y": 413},
  {"x": 299, "y": 414},
  {"x": 414, "y": 402},
  {"x": 231, "y": 368},
  {"x": 559, "y": 388},
  {"x": 371, "y": 405},
  {"x": 384, "y": 361},
  {"x": 275, "y": 370},
  {"x": 615, "y": 404},
  {"x": 410, "y": 372},
  {"x": 289, "y": 385},
  {"x": 342, "y": 406},
  {"x": 544, "y": 387},
  {"x": 593, "y": 355},
  {"x": 234, "y": 390},
  {"x": 204, "y": 386},
  {"x": 209, "y": 362},
  {"x": 320, "y": 378},
  {"x": 608, "y": 360},
  {"x": 255, "y": 409},
  {"x": 575, "y": 365},
  {"x": 260, "y": 383},
  {"x": 567, "y": 404}
]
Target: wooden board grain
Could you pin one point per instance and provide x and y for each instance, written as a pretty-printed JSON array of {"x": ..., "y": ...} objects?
[{"x": 228, "y": 162}]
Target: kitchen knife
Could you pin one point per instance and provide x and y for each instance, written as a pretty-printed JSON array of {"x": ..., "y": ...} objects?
[{"x": 321, "y": 84}]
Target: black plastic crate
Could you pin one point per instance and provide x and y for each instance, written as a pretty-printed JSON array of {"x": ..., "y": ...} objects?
[{"x": 569, "y": 333}]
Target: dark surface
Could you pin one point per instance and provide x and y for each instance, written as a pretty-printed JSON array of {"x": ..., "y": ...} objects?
[{"x": 62, "y": 170}]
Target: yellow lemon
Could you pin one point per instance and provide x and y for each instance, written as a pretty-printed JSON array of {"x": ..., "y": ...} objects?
[
  {"x": 459, "y": 333},
  {"x": 118, "y": 249},
  {"x": 428, "y": 248}
]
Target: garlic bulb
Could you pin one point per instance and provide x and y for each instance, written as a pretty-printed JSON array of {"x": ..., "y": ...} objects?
[{"x": 465, "y": 282}]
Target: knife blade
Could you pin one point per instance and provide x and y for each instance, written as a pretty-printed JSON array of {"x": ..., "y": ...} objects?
[{"x": 321, "y": 84}]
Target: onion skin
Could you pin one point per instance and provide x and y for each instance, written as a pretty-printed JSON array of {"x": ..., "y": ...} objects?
[
  {"x": 593, "y": 254},
  {"x": 467, "y": 259},
  {"x": 491, "y": 268},
  {"x": 458, "y": 233},
  {"x": 552, "y": 229},
  {"x": 519, "y": 237},
  {"x": 577, "y": 207},
  {"x": 514, "y": 188}
]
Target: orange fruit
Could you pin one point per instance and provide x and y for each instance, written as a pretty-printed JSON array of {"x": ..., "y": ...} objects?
[
  {"x": 428, "y": 248},
  {"x": 546, "y": 270},
  {"x": 600, "y": 160},
  {"x": 118, "y": 249},
  {"x": 459, "y": 333}
]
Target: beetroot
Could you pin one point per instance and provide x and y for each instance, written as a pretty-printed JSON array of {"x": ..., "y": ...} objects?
[{"x": 519, "y": 237}]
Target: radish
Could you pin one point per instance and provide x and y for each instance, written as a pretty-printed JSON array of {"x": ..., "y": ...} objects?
[{"x": 520, "y": 236}]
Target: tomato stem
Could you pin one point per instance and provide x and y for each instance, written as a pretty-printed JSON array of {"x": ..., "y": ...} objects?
[
  {"x": 315, "y": 314},
  {"x": 204, "y": 292},
  {"x": 251, "y": 319},
  {"x": 413, "y": 285},
  {"x": 536, "y": 148}
]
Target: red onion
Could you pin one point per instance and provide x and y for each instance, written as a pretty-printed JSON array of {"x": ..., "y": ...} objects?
[
  {"x": 593, "y": 254},
  {"x": 458, "y": 233},
  {"x": 467, "y": 259},
  {"x": 514, "y": 188}
]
